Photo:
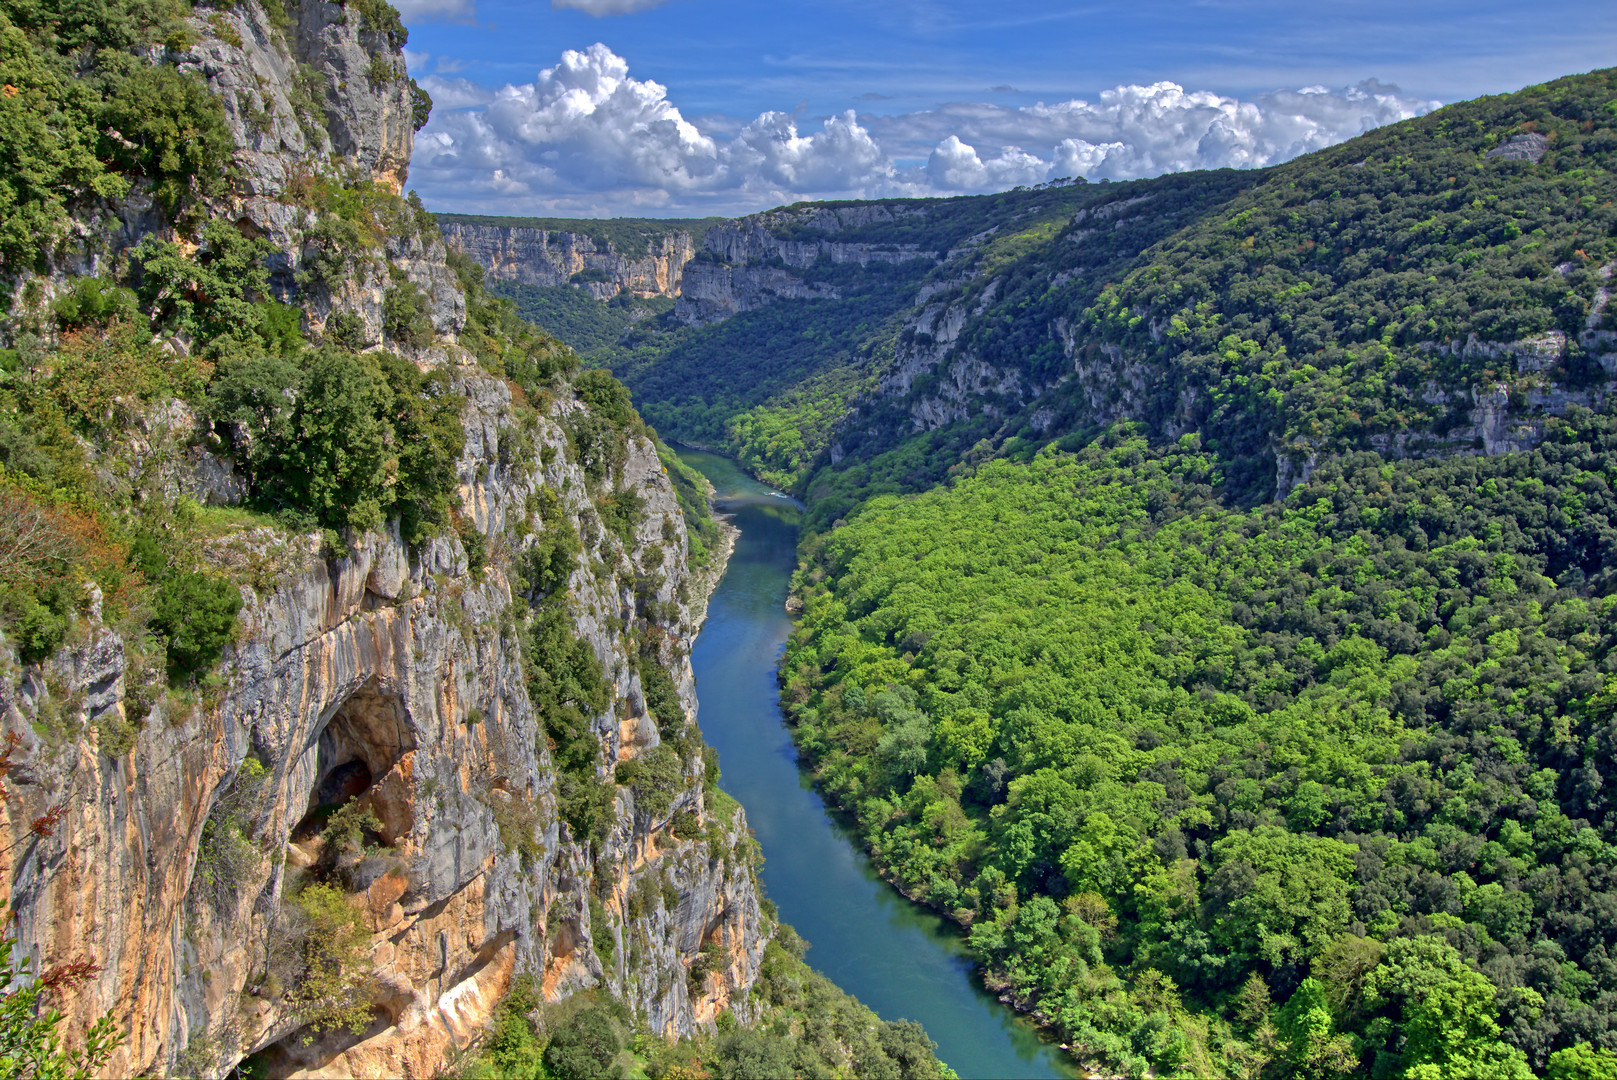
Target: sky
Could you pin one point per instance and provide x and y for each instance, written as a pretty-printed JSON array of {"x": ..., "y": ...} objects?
[{"x": 688, "y": 108}]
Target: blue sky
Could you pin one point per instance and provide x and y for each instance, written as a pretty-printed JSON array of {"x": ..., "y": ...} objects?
[{"x": 724, "y": 106}]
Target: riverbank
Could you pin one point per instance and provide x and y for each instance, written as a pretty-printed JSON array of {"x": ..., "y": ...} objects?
[{"x": 902, "y": 960}]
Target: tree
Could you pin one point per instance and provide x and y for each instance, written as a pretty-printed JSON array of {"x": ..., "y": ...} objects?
[
  {"x": 30, "y": 1046},
  {"x": 1315, "y": 1049},
  {"x": 1582, "y": 1062},
  {"x": 585, "y": 1047},
  {"x": 1284, "y": 892},
  {"x": 165, "y": 125},
  {"x": 1438, "y": 1014},
  {"x": 196, "y": 612},
  {"x": 336, "y": 961}
]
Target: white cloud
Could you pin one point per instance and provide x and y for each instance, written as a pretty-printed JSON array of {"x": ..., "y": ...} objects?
[
  {"x": 447, "y": 10},
  {"x": 586, "y": 127},
  {"x": 587, "y": 137},
  {"x": 450, "y": 94},
  {"x": 606, "y": 7}
]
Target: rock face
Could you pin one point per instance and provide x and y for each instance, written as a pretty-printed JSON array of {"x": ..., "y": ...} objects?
[
  {"x": 741, "y": 264},
  {"x": 532, "y": 256},
  {"x": 360, "y": 73},
  {"x": 179, "y": 825},
  {"x": 756, "y": 260}
]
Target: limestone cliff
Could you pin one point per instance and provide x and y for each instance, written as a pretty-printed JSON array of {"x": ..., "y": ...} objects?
[
  {"x": 756, "y": 260},
  {"x": 379, "y": 675},
  {"x": 717, "y": 272},
  {"x": 539, "y": 256}
]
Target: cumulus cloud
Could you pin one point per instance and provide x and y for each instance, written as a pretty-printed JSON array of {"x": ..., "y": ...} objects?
[
  {"x": 586, "y": 127},
  {"x": 448, "y": 10},
  {"x": 606, "y": 7},
  {"x": 587, "y": 137}
]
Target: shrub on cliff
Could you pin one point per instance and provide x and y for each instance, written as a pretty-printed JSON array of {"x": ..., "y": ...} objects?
[
  {"x": 227, "y": 857},
  {"x": 334, "y": 950},
  {"x": 550, "y": 561},
  {"x": 208, "y": 294},
  {"x": 86, "y": 110},
  {"x": 166, "y": 126},
  {"x": 405, "y": 317},
  {"x": 657, "y": 777},
  {"x": 347, "y": 439},
  {"x": 194, "y": 611}
]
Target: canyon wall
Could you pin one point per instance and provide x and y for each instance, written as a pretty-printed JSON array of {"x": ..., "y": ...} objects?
[
  {"x": 757, "y": 260},
  {"x": 367, "y": 672},
  {"x": 537, "y": 256}
]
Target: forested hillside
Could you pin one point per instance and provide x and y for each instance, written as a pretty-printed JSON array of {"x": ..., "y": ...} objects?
[
  {"x": 1207, "y": 591},
  {"x": 1194, "y": 776}
]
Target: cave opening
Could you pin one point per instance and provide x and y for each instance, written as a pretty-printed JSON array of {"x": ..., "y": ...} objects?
[{"x": 362, "y": 744}]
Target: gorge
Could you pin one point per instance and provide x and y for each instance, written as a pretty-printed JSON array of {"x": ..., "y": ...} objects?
[
  {"x": 346, "y": 690},
  {"x": 1203, "y": 581},
  {"x": 1177, "y": 613}
]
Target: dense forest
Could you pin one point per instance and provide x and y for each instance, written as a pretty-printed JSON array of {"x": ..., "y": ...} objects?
[
  {"x": 577, "y": 318},
  {"x": 1190, "y": 773}
]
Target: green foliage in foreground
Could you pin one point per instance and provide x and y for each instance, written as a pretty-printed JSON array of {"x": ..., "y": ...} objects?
[
  {"x": 810, "y": 1029},
  {"x": 1311, "y": 789},
  {"x": 30, "y": 1045}
]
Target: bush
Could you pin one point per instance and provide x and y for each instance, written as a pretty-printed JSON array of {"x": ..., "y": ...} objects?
[
  {"x": 348, "y": 824},
  {"x": 227, "y": 857},
  {"x": 196, "y": 613},
  {"x": 546, "y": 566},
  {"x": 85, "y": 103},
  {"x": 30, "y": 1045},
  {"x": 335, "y": 961},
  {"x": 621, "y": 513},
  {"x": 420, "y": 106},
  {"x": 657, "y": 777},
  {"x": 381, "y": 17},
  {"x": 347, "y": 331},
  {"x": 349, "y": 439},
  {"x": 93, "y": 300},
  {"x": 210, "y": 294},
  {"x": 405, "y": 316},
  {"x": 585, "y": 1047},
  {"x": 165, "y": 125}
]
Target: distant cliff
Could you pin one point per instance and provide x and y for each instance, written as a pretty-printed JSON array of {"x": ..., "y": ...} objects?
[
  {"x": 716, "y": 268},
  {"x": 765, "y": 257},
  {"x": 605, "y": 258}
]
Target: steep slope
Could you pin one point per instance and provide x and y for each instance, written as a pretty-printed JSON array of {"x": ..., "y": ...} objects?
[{"x": 344, "y": 671}]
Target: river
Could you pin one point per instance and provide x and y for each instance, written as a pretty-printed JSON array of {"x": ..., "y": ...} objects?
[{"x": 897, "y": 957}]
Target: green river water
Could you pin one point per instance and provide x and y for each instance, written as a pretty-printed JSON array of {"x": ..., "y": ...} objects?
[{"x": 897, "y": 957}]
